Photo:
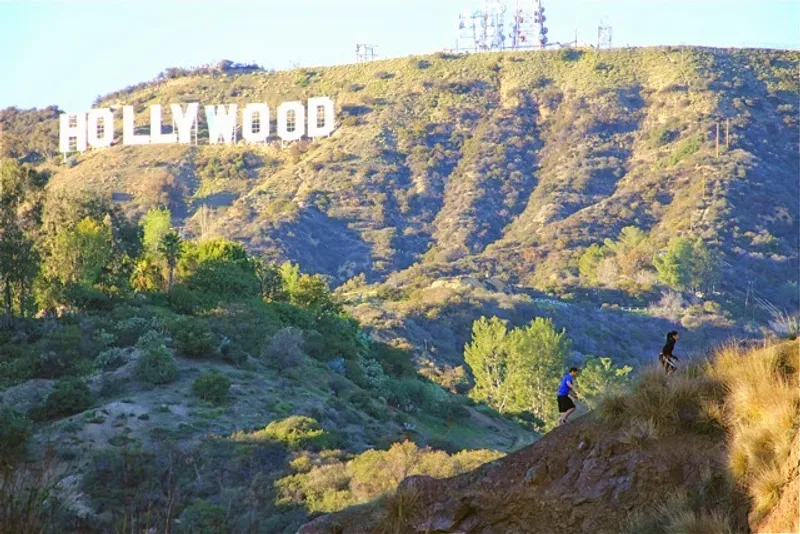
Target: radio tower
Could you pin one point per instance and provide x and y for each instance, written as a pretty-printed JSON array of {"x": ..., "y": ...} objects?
[
  {"x": 528, "y": 27},
  {"x": 483, "y": 29},
  {"x": 365, "y": 52},
  {"x": 540, "y": 19}
]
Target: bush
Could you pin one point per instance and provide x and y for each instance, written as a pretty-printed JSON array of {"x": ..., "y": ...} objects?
[
  {"x": 395, "y": 362},
  {"x": 68, "y": 397},
  {"x": 110, "y": 360},
  {"x": 296, "y": 432},
  {"x": 86, "y": 298},
  {"x": 157, "y": 366},
  {"x": 62, "y": 354},
  {"x": 15, "y": 431},
  {"x": 182, "y": 300},
  {"x": 212, "y": 387},
  {"x": 285, "y": 348},
  {"x": 202, "y": 517},
  {"x": 193, "y": 337},
  {"x": 130, "y": 330}
]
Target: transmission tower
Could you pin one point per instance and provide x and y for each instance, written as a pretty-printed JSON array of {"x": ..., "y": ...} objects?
[
  {"x": 483, "y": 29},
  {"x": 365, "y": 52},
  {"x": 528, "y": 29},
  {"x": 604, "y": 34}
]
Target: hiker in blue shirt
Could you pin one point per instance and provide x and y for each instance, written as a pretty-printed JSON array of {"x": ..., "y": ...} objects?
[{"x": 565, "y": 404}]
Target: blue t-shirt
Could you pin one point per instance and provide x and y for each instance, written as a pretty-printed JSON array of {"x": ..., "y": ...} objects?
[{"x": 563, "y": 389}]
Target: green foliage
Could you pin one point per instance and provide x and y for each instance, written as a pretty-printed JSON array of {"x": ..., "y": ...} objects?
[
  {"x": 156, "y": 223},
  {"x": 128, "y": 331},
  {"x": 156, "y": 364},
  {"x": 15, "y": 431},
  {"x": 193, "y": 337},
  {"x": 182, "y": 300},
  {"x": 518, "y": 370},
  {"x": 170, "y": 247},
  {"x": 684, "y": 149},
  {"x": 600, "y": 378},
  {"x": 285, "y": 349},
  {"x": 687, "y": 263},
  {"x": 202, "y": 517},
  {"x": 115, "y": 477},
  {"x": 590, "y": 260},
  {"x": 63, "y": 353},
  {"x": 79, "y": 254},
  {"x": 68, "y": 397},
  {"x": 339, "y": 484},
  {"x": 296, "y": 432},
  {"x": 212, "y": 387},
  {"x": 110, "y": 359}
]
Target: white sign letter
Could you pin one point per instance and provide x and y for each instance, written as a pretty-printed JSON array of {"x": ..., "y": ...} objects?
[
  {"x": 68, "y": 132},
  {"x": 129, "y": 136},
  {"x": 156, "y": 137},
  {"x": 291, "y": 121},
  {"x": 221, "y": 122},
  {"x": 321, "y": 120},
  {"x": 184, "y": 121},
  {"x": 95, "y": 140},
  {"x": 248, "y": 116}
]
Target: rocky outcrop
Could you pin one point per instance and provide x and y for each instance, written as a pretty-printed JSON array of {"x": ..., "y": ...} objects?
[{"x": 580, "y": 478}]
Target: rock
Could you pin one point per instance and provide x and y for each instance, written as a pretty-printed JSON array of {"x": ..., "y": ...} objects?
[
  {"x": 27, "y": 395},
  {"x": 537, "y": 475}
]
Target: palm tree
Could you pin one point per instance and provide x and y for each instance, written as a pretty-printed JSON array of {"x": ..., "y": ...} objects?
[{"x": 171, "y": 247}]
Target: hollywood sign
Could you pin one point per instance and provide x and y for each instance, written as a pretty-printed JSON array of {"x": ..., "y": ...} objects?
[{"x": 79, "y": 131}]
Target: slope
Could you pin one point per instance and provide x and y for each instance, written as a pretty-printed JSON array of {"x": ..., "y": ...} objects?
[{"x": 666, "y": 457}]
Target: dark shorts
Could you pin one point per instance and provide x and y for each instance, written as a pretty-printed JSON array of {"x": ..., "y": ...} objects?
[{"x": 564, "y": 403}]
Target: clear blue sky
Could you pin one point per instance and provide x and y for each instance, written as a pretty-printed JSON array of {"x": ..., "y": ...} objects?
[{"x": 67, "y": 53}]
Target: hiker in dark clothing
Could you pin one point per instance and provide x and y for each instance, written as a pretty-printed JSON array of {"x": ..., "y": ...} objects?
[{"x": 667, "y": 358}]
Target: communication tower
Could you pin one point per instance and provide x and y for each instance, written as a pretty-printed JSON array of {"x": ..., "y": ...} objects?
[
  {"x": 604, "y": 34},
  {"x": 483, "y": 29},
  {"x": 365, "y": 52}
]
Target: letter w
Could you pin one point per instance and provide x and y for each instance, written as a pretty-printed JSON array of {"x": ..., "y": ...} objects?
[{"x": 221, "y": 122}]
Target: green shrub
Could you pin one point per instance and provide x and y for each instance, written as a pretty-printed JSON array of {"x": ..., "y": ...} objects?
[
  {"x": 285, "y": 349},
  {"x": 120, "y": 478},
  {"x": 296, "y": 432},
  {"x": 129, "y": 331},
  {"x": 201, "y": 517},
  {"x": 87, "y": 298},
  {"x": 157, "y": 366},
  {"x": 212, "y": 387},
  {"x": 110, "y": 359},
  {"x": 15, "y": 431},
  {"x": 182, "y": 300},
  {"x": 150, "y": 340},
  {"x": 395, "y": 362},
  {"x": 62, "y": 354},
  {"x": 68, "y": 397},
  {"x": 193, "y": 337}
]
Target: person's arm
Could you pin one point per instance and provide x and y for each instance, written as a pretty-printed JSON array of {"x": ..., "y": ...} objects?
[{"x": 572, "y": 387}]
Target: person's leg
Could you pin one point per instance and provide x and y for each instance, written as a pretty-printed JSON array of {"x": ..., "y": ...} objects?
[{"x": 565, "y": 419}]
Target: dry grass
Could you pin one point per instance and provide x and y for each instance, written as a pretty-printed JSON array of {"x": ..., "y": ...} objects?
[
  {"x": 762, "y": 413},
  {"x": 752, "y": 394},
  {"x": 399, "y": 509},
  {"x": 676, "y": 515}
]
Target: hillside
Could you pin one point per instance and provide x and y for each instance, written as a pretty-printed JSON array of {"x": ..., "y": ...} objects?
[
  {"x": 501, "y": 170},
  {"x": 701, "y": 452}
]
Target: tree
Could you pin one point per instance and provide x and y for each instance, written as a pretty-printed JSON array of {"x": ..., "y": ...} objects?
[
  {"x": 147, "y": 277},
  {"x": 171, "y": 248},
  {"x": 487, "y": 357},
  {"x": 537, "y": 358},
  {"x": 156, "y": 224},
  {"x": 590, "y": 260},
  {"x": 79, "y": 255},
  {"x": 19, "y": 264},
  {"x": 599, "y": 377},
  {"x": 270, "y": 279},
  {"x": 686, "y": 263}
]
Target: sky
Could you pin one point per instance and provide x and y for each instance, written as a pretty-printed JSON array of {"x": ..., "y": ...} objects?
[{"x": 68, "y": 52}]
